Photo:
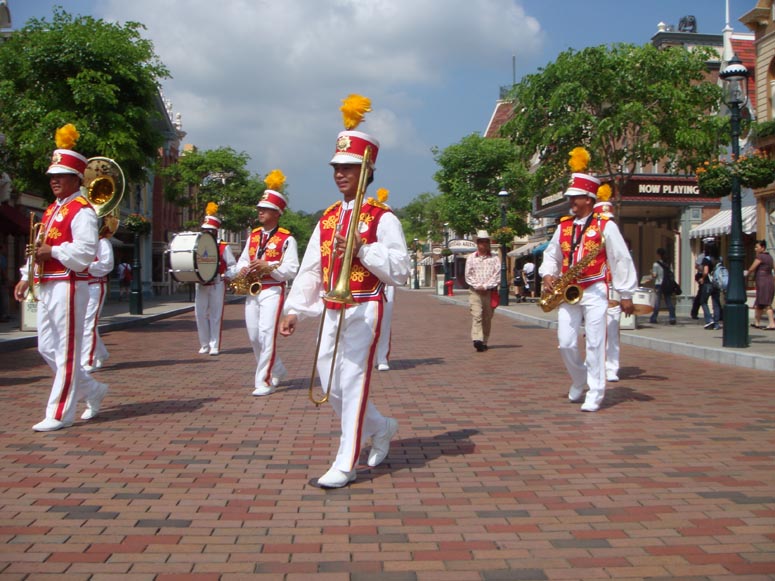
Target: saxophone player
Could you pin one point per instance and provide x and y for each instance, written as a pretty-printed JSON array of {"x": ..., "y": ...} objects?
[
  {"x": 272, "y": 251},
  {"x": 577, "y": 237}
]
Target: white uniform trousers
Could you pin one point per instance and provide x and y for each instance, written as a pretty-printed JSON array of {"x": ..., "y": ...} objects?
[
  {"x": 590, "y": 314},
  {"x": 352, "y": 374},
  {"x": 61, "y": 315},
  {"x": 613, "y": 316},
  {"x": 383, "y": 345},
  {"x": 208, "y": 308},
  {"x": 93, "y": 348},
  {"x": 262, "y": 315}
]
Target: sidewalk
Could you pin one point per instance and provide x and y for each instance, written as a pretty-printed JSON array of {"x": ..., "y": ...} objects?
[
  {"x": 688, "y": 337},
  {"x": 115, "y": 316}
]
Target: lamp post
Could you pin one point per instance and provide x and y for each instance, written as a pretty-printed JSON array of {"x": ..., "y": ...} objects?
[
  {"x": 503, "y": 196},
  {"x": 416, "y": 269},
  {"x": 446, "y": 247},
  {"x": 136, "y": 292},
  {"x": 735, "y": 333}
]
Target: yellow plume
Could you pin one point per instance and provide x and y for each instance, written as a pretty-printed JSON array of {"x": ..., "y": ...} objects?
[
  {"x": 604, "y": 193},
  {"x": 579, "y": 159},
  {"x": 353, "y": 108},
  {"x": 382, "y": 195},
  {"x": 66, "y": 136},
  {"x": 275, "y": 180},
  {"x": 211, "y": 209}
]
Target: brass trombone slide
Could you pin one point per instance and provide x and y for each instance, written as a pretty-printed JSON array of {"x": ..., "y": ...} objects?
[
  {"x": 35, "y": 240},
  {"x": 341, "y": 293}
]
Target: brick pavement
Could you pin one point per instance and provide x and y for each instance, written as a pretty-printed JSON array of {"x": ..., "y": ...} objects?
[{"x": 493, "y": 475}]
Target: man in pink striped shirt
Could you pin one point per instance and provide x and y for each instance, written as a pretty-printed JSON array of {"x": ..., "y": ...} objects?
[{"x": 482, "y": 275}]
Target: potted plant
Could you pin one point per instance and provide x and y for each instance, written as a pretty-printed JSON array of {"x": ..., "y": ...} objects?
[
  {"x": 137, "y": 224},
  {"x": 504, "y": 236}
]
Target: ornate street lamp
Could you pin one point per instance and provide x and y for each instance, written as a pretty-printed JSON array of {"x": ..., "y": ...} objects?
[
  {"x": 735, "y": 77},
  {"x": 503, "y": 196}
]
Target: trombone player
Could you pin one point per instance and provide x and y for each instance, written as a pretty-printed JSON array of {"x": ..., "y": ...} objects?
[
  {"x": 379, "y": 258},
  {"x": 63, "y": 251}
]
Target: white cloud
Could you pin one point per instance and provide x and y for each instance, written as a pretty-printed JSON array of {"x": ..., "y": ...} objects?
[{"x": 267, "y": 76}]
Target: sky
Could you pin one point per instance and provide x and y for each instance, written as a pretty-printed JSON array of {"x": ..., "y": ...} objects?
[{"x": 267, "y": 77}]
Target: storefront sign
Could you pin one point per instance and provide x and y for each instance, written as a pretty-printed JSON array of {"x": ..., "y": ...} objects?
[{"x": 462, "y": 246}]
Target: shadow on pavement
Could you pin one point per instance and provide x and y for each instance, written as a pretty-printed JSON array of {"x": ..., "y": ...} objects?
[
  {"x": 151, "y": 408},
  {"x": 620, "y": 394}
]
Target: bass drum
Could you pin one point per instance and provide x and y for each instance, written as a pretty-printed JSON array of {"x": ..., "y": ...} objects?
[
  {"x": 193, "y": 257},
  {"x": 644, "y": 300}
]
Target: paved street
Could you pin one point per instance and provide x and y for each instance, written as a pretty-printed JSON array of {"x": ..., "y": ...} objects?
[{"x": 493, "y": 475}]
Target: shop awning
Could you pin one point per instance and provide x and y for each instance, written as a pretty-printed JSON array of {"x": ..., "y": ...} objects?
[
  {"x": 721, "y": 223},
  {"x": 523, "y": 250},
  {"x": 541, "y": 247},
  {"x": 427, "y": 261}
]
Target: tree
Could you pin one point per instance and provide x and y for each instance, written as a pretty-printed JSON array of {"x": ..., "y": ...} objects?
[
  {"x": 628, "y": 105},
  {"x": 214, "y": 175},
  {"x": 301, "y": 226},
  {"x": 423, "y": 215},
  {"x": 472, "y": 173},
  {"x": 100, "y": 76}
]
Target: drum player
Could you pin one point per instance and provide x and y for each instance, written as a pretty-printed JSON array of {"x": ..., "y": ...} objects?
[
  {"x": 271, "y": 251},
  {"x": 208, "y": 304},
  {"x": 576, "y": 239}
]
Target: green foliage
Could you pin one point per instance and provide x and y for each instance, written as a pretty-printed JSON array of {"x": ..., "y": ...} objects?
[
  {"x": 100, "y": 76},
  {"x": 300, "y": 225},
  {"x": 137, "y": 224},
  {"x": 754, "y": 171},
  {"x": 472, "y": 173},
  {"x": 215, "y": 175},
  {"x": 423, "y": 218},
  {"x": 628, "y": 105}
]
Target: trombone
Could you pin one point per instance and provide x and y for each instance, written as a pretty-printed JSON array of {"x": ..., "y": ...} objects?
[
  {"x": 341, "y": 293},
  {"x": 103, "y": 185}
]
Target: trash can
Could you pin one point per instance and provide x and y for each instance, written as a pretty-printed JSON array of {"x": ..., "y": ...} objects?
[
  {"x": 449, "y": 285},
  {"x": 440, "y": 287}
]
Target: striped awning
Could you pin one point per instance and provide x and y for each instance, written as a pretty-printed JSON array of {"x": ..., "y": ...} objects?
[
  {"x": 721, "y": 223},
  {"x": 523, "y": 250}
]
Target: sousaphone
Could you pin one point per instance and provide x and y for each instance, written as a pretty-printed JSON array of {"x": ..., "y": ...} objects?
[{"x": 104, "y": 183}]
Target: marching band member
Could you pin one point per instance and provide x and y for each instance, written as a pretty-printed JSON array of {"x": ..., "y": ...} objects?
[
  {"x": 93, "y": 352},
  {"x": 380, "y": 258},
  {"x": 272, "y": 252},
  {"x": 383, "y": 345},
  {"x": 69, "y": 244},
  {"x": 576, "y": 239},
  {"x": 208, "y": 303},
  {"x": 614, "y": 312}
]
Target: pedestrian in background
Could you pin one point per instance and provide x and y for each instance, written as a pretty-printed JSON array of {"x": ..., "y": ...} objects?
[
  {"x": 4, "y": 312},
  {"x": 761, "y": 269},
  {"x": 483, "y": 270},
  {"x": 124, "y": 274},
  {"x": 709, "y": 290},
  {"x": 529, "y": 276},
  {"x": 664, "y": 286}
]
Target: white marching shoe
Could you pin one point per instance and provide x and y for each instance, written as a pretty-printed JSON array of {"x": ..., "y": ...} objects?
[
  {"x": 611, "y": 376},
  {"x": 204, "y": 350},
  {"x": 263, "y": 390},
  {"x": 576, "y": 394},
  {"x": 383, "y": 367},
  {"x": 50, "y": 425},
  {"x": 93, "y": 403},
  {"x": 336, "y": 478},
  {"x": 380, "y": 443},
  {"x": 214, "y": 351}
]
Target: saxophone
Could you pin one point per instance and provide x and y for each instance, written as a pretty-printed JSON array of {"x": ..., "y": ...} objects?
[
  {"x": 564, "y": 288},
  {"x": 250, "y": 284}
]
